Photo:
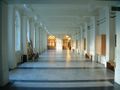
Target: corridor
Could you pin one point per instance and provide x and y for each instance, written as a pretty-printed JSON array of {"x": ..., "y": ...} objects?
[
  {"x": 60, "y": 44},
  {"x": 56, "y": 70}
]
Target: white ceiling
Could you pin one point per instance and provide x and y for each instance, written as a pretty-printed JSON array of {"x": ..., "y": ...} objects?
[
  {"x": 65, "y": 16},
  {"x": 60, "y": 18}
]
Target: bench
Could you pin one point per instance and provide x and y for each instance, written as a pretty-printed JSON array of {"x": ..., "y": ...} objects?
[
  {"x": 111, "y": 65},
  {"x": 88, "y": 56}
]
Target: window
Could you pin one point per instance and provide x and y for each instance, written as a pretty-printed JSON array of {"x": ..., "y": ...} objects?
[
  {"x": 28, "y": 31},
  {"x": 17, "y": 31},
  {"x": 34, "y": 38}
]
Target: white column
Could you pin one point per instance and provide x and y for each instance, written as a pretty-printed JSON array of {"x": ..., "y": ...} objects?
[
  {"x": 45, "y": 40},
  {"x": 41, "y": 39},
  {"x": 104, "y": 28},
  {"x": 96, "y": 34},
  {"x": 32, "y": 30},
  {"x": 86, "y": 35},
  {"x": 112, "y": 38},
  {"x": 92, "y": 37},
  {"x": 107, "y": 35},
  {"x": 4, "y": 74},
  {"x": 24, "y": 34},
  {"x": 37, "y": 37},
  {"x": 81, "y": 41},
  {"x": 117, "y": 51},
  {"x": 88, "y": 39},
  {"x": 32, "y": 27},
  {"x": 11, "y": 37}
]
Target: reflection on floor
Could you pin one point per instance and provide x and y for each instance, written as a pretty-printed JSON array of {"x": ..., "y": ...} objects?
[{"x": 63, "y": 70}]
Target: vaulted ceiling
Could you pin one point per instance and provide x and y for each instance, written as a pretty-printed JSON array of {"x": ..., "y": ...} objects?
[
  {"x": 61, "y": 18},
  {"x": 65, "y": 16}
]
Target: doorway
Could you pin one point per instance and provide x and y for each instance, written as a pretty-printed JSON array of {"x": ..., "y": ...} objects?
[
  {"x": 67, "y": 42},
  {"x": 51, "y": 42}
]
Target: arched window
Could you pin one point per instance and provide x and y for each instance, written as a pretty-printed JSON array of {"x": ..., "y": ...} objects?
[
  {"x": 34, "y": 38},
  {"x": 17, "y": 31},
  {"x": 28, "y": 31}
]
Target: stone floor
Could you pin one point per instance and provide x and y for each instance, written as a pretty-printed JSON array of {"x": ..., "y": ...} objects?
[{"x": 63, "y": 70}]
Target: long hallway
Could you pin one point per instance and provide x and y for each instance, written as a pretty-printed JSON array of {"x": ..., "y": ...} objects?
[
  {"x": 35, "y": 36},
  {"x": 62, "y": 70}
]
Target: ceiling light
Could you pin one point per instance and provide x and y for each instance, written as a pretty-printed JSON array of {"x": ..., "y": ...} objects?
[
  {"x": 69, "y": 38},
  {"x": 66, "y": 36}
]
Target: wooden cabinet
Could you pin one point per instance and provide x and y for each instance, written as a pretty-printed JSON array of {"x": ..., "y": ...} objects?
[{"x": 101, "y": 44}]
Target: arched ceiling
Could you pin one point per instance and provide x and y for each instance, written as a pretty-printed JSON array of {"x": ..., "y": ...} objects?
[{"x": 65, "y": 16}]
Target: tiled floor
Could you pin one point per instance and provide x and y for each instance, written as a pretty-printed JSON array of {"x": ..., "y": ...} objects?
[{"x": 62, "y": 71}]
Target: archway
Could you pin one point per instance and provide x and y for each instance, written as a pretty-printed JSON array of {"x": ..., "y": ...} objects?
[
  {"x": 66, "y": 42},
  {"x": 51, "y": 42}
]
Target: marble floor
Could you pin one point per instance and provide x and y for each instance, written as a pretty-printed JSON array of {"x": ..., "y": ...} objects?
[{"x": 62, "y": 70}]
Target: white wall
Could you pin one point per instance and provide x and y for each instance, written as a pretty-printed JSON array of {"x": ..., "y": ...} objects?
[{"x": 117, "y": 54}]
